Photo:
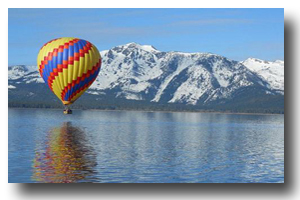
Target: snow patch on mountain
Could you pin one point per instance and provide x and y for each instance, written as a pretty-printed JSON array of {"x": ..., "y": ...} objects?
[
  {"x": 194, "y": 87},
  {"x": 11, "y": 87},
  {"x": 29, "y": 74},
  {"x": 272, "y": 72},
  {"x": 182, "y": 64},
  {"x": 19, "y": 71}
]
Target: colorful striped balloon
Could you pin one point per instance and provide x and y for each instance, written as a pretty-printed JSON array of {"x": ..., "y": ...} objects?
[{"x": 69, "y": 66}]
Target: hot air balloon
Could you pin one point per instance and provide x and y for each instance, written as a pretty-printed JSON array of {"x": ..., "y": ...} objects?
[{"x": 68, "y": 66}]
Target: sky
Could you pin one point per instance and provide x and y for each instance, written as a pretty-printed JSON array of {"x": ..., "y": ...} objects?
[{"x": 234, "y": 33}]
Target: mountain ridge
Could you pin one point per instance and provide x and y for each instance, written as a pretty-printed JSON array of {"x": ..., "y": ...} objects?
[{"x": 143, "y": 73}]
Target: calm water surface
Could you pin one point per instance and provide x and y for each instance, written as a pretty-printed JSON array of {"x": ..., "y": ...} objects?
[{"x": 127, "y": 146}]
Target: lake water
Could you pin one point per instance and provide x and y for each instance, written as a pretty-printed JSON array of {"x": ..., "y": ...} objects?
[{"x": 144, "y": 147}]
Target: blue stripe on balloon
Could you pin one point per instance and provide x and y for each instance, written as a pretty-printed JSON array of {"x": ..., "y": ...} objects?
[
  {"x": 65, "y": 54},
  {"x": 76, "y": 48},
  {"x": 46, "y": 72},
  {"x": 83, "y": 42},
  {"x": 71, "y": 51},
  {"x": 80, "y": 45}
]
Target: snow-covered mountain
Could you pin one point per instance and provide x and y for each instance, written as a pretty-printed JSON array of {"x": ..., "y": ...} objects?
[
  {"x": 141, "y": 72},
  {"x": 272, "y": 72},
  {"x": 27, "y": 73}
]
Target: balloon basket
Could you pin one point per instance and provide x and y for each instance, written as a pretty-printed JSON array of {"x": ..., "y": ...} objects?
[{"x": 67, "y": 111}]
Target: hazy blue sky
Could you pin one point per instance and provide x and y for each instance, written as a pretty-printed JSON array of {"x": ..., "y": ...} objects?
[{"x": 234, "y": 33}]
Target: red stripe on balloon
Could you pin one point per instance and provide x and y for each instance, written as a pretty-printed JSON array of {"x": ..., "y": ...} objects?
[{"x": 77, "y": 81}]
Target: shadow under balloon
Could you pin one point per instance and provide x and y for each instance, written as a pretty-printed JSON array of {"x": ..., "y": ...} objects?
[{"x": 64, "y": 157}]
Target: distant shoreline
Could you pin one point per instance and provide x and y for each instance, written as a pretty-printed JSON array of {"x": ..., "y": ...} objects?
[{"x": 162, "y": 111}]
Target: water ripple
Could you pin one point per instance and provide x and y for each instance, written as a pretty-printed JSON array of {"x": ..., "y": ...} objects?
[{"x": 142, "y": 147}]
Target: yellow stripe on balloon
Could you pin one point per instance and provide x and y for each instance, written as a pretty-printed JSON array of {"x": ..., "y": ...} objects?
[
  {"x": 56, "y": 89},
  {"x": 70, "y": 73},
  {"x": 64, "y": 74},
  {"x": 81, "y": 66},
  {"x": 75, "y": 70}
]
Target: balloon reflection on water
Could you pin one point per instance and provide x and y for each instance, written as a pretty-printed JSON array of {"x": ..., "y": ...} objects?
[{"x": 65, "y": 157}]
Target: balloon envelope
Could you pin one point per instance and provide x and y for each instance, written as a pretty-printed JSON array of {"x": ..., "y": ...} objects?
[{"x": 69, "y": 66}]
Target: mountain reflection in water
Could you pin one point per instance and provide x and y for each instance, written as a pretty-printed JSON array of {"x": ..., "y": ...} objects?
[{"x": 64, "y": 157}]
